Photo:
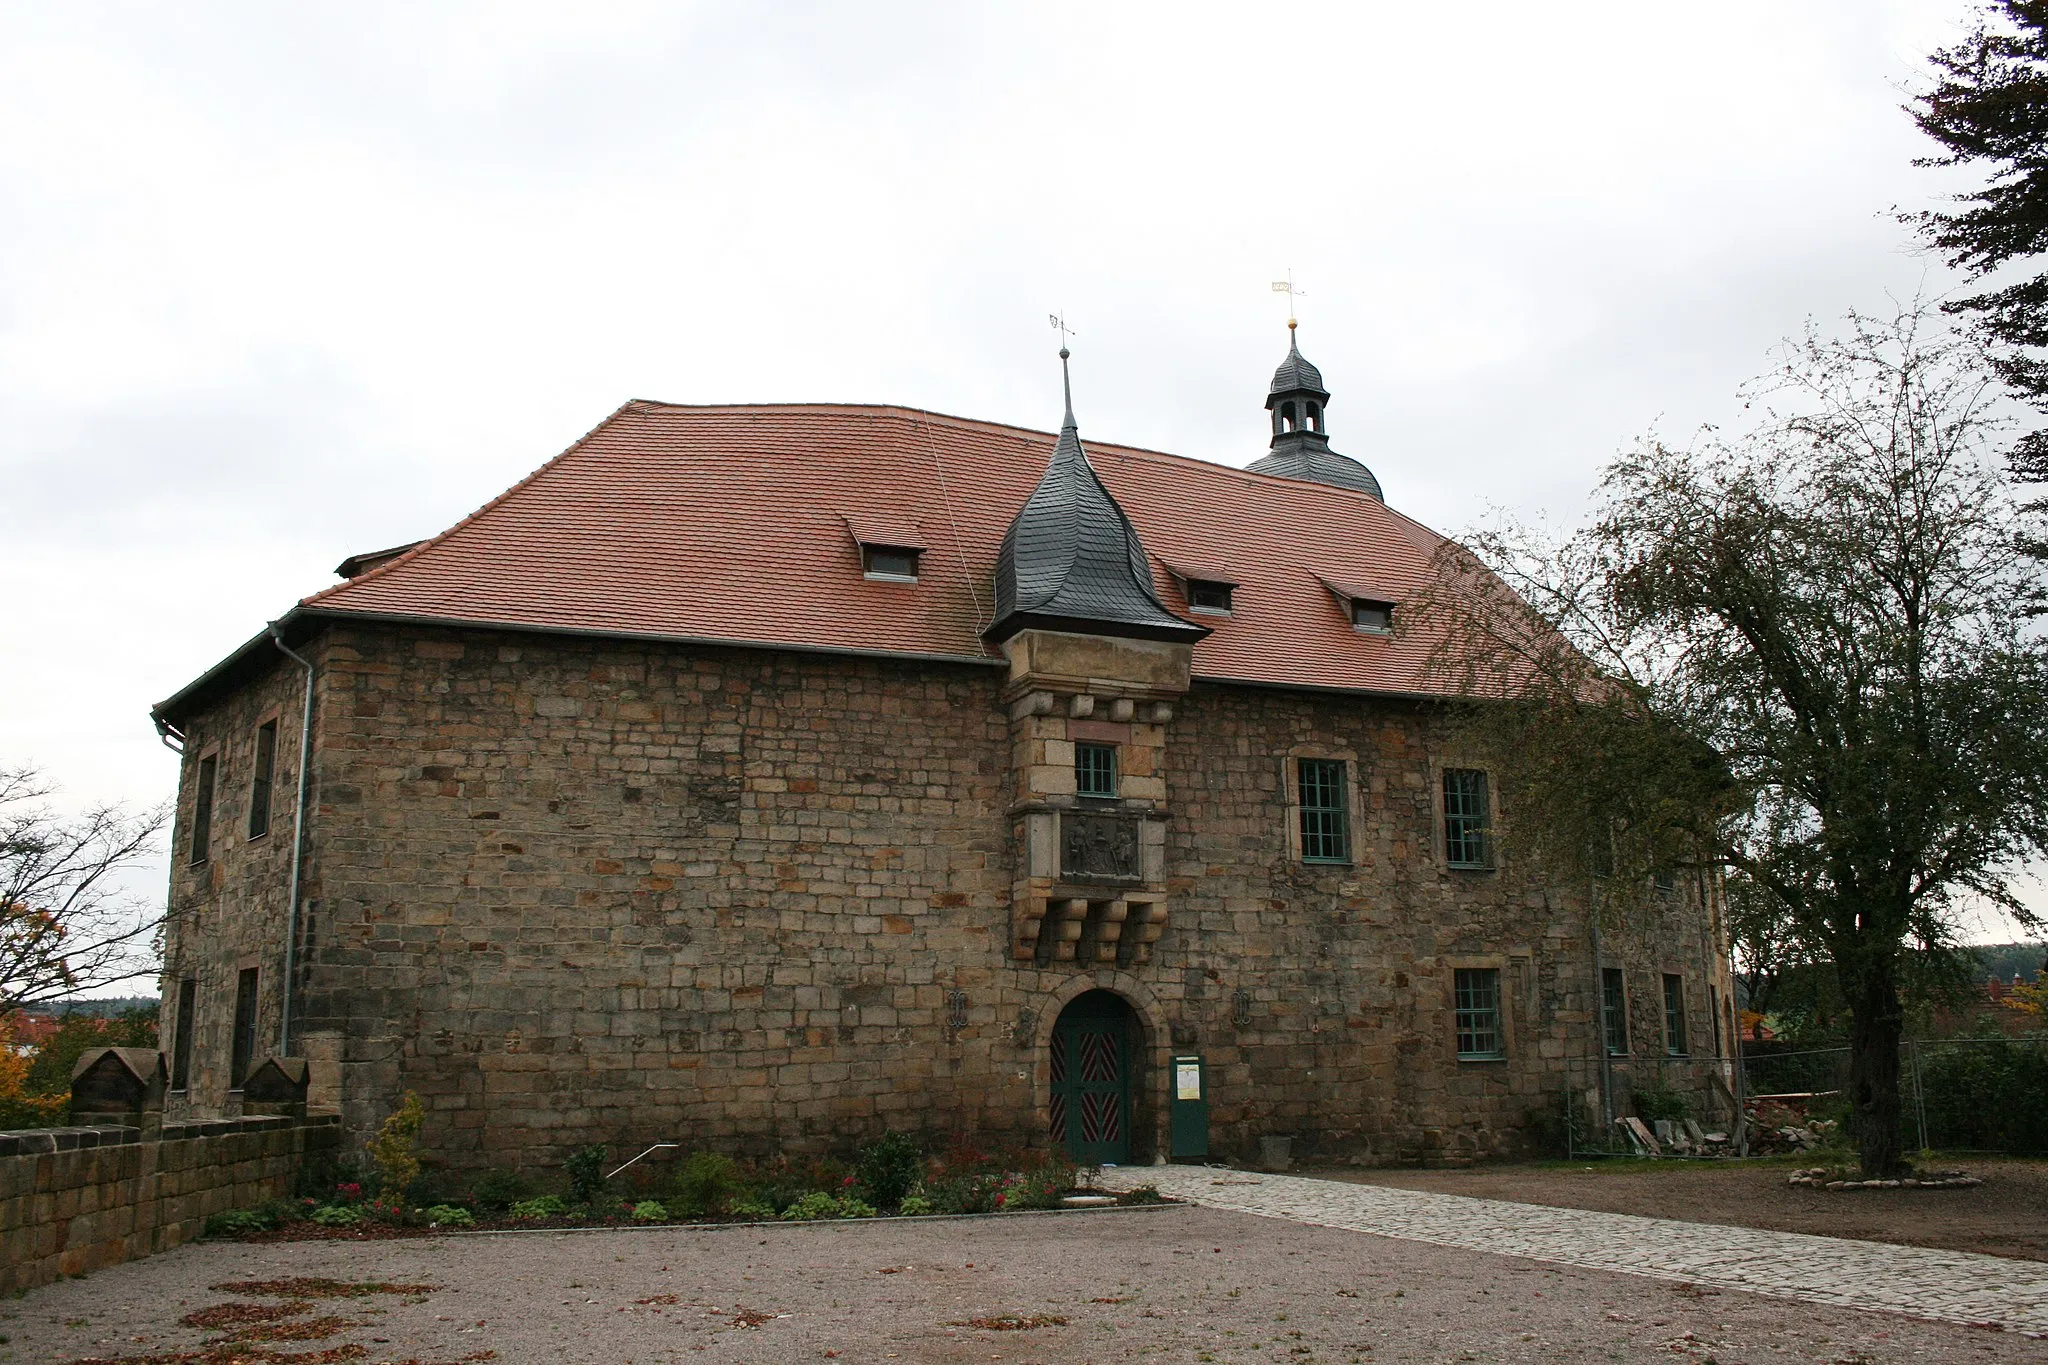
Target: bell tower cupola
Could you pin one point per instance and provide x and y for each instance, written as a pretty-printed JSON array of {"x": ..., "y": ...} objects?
[{"x": 1300, "y": 405}]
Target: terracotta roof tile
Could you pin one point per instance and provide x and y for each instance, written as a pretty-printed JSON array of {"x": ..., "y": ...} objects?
[{"x": 732, "y": 523}]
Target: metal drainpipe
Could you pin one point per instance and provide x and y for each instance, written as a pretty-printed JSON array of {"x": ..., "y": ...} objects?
[
  {"x": 291, "y": 933},
  {"x": 1600, "y": 1015}
]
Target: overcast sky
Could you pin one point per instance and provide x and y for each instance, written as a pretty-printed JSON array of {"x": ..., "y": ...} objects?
[{"x": 279, "y": 283}]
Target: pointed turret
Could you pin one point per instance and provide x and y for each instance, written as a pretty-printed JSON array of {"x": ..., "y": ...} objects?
[
  {"x": 1301, "y": 438},
  {"x": 1071, "y": 561}
]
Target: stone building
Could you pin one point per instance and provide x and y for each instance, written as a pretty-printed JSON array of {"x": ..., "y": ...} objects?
[{"x": 764, "y": 777}]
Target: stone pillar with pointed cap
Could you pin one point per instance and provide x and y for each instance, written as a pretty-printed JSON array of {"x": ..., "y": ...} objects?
[{"x": 1095, "y": 657}]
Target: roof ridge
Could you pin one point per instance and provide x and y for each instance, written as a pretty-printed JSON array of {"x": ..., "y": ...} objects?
[
  {"x": 985, "y": 424},
  {"x": 421, "y": 547}
]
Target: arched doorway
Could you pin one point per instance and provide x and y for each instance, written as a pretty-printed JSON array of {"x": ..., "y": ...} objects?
[{"x": 1092, "y": 1058}]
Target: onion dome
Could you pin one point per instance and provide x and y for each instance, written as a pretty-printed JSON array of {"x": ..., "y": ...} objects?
[
  {"x": 1301, "y": 441},
  {"x": 1072, "y": 561}
]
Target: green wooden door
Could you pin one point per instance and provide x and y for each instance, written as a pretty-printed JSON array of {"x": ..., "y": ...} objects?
[{"x": 1091, "y": 1080}]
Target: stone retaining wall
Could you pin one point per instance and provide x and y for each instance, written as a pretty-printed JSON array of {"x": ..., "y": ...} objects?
[{"x": 76, "y": 1199}]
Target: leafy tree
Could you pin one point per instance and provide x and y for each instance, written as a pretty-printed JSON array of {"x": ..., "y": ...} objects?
[
  {"x": 1989, "y": 109},
  {"x": 49, "y": 1073},
  {"x": 1789, "y": 656},
  {"x": 65, "y": 927}
]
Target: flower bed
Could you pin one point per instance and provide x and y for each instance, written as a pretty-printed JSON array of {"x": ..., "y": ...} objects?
[{"x": 896, "y": 1176}]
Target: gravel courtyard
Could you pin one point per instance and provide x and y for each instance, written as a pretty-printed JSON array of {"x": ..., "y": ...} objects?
[{"x": 1172, "y": 1284}]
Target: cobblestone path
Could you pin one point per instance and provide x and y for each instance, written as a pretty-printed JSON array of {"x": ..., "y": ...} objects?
[{"x": 1951, "y": 1286}]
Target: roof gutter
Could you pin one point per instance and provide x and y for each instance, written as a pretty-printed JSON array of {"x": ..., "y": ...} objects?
[{"x": 291, "y": 933}]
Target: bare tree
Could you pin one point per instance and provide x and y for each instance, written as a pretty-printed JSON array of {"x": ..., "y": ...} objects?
[
  {"x": 65, "y": 925},
  {"x": 1794, "y": 656}
]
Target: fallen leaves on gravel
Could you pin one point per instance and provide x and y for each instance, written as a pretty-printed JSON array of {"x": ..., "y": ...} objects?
[
  {"x": 663, "y": 1299},
  {"x": 230, "y": 1354},
  {"x": 747, "y": 1317},
  {"x": 235, "y": 1314},
  {"x": 313, "y": 1287},
  {"x": 312, "y": 1329},
  {"x": 1011, "y": 1322}
]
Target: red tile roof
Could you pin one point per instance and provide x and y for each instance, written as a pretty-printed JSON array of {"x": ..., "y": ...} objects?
[{"x": 732, "y": 524}]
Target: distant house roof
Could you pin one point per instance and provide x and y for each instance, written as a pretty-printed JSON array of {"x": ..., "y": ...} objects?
[{"x": 730, "y": 524}]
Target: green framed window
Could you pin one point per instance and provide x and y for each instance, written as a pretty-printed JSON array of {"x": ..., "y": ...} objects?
[
  {"x": 1467, "y": 841},
  {"x": 1325, "y": 813},
  {"x": 1095, "y": 769},
  {"x": 1614, "y": 1010},
  {"x": 202, "y": 809},
  {"x": 260, "y": 779},
  {"x": 243, "y": 1041},
  {"x": 1478, "y": 1011},
  {"x": 1674, "y": 1015}
]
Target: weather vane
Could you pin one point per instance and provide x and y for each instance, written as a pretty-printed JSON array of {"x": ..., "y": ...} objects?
[
  {"x": 1059, "y": 324},
  {"x": 1286, "y": 287}
]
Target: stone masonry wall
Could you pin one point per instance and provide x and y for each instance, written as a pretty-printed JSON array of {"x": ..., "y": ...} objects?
[
  {"x": 576, "y": 891},
  {"x": 229, "y": 912},
  {"x": 77, "y": 1199},
  {"x": 572, "y": 891}
]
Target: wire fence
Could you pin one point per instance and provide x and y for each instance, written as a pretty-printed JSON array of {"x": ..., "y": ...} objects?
[{"x": 1987, "y": 1095}]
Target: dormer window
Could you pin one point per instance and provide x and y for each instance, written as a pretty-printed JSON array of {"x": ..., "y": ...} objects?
[
  {"x": 1207, "y": 588},
  {"x": 889, "y": 548},
  {"x": 889, "y": 563},
  {"x": 1370, "y": 608},
  {"x": 1372, "y": 618}
]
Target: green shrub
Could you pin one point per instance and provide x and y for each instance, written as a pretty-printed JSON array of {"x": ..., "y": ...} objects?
[
  {"x": 650, "y": 1211},
  {"x": 817, "y": 1204},
  {"x": 547, "y": 1206},
  {"x": 705, "y": 1184},
  {"x": 1985, "y": 1095},
  {"x": 395, "y": 1149},
  {"x": 1660, "y": 1101},
  {"x": 1039, "y": 1189},
  {"x": 754, "y": 1211},
  {"x": 853, "y": 1206},
  {"x": 916, "y": 1206},
  {"x": 450, "y": 1216},
  {"x": 889, "y": 1168},
  {"x": 239, "y": 1222},
  {"x": 1141, "y": 1194},
  {"x": 585, "y": 1167},
  {"x": 499, "y": 1189},
  {"x": 337, "y": 1215},
  {"x": 965, "y": 1194}
]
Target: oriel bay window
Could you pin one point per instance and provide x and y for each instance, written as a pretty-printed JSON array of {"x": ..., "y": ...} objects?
[
  {"x": 1325, "y": 836},
  {"x": 1478, "y": 1013}
]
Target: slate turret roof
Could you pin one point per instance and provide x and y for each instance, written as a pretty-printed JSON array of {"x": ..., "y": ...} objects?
[
  {"x": 1304, "y": 453},
  {"x": 1071, "y": 559}
]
